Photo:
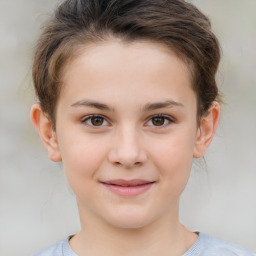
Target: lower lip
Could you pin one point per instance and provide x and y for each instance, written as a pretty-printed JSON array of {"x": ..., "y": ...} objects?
[{"x": 128, "y": 191}]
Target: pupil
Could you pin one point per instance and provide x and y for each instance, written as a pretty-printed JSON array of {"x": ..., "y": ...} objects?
[
  {"x": 158, "y": 121},
  {"x": 97, "y": 121}
]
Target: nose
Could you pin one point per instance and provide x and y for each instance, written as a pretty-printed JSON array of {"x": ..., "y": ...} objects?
[{"x": 127, "y": 149}]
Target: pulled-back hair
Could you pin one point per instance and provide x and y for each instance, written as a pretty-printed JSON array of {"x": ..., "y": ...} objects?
[{"x": 174, "y": 23}]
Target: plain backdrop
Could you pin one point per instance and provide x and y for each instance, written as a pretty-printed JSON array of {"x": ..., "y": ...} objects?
[{"x": 36, "y": 206}]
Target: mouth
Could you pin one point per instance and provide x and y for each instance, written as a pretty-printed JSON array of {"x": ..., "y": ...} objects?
[{"x": 128, "y": 188}]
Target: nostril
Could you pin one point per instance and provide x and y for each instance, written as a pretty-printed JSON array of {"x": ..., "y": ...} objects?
[
  {"x": 127, "y": 157},
  {"x": 117, "y": 163}
]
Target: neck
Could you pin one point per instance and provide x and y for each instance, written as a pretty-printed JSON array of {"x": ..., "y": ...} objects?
[{"x": 165, "y": 236}]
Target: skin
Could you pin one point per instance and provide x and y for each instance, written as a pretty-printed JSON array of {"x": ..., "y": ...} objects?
[{"x": 122, "y": 83}]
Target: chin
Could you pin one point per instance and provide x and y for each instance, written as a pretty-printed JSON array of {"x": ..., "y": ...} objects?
[
  {"x": 129, "y": 220},
  {"x": 129, "y": 224}
]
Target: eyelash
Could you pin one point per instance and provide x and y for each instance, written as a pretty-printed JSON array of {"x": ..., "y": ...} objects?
[
  {"x": 90, "y": 117},
  {"x": 166, "y": 118}
]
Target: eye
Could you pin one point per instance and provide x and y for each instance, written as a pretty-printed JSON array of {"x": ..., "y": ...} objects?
[
  {"x": 95, "y": 120},
  {"x": 159, "y": 120}
]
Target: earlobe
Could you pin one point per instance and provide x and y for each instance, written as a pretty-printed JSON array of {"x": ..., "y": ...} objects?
[
  {"x": 206, "y": 130},
  {"x": 45, "y": 130}
]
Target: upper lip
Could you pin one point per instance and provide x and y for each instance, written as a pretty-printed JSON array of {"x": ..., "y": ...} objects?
[{"x": 126, "y": 183}]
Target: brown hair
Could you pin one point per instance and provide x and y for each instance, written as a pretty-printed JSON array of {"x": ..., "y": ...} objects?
[{"x": 174, "y": 23}]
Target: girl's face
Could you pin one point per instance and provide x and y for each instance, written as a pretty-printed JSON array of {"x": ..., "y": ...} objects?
[{"x": 126, "y": 131}]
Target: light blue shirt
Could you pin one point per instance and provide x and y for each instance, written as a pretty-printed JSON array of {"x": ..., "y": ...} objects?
[{"x": 205, "y": 245}]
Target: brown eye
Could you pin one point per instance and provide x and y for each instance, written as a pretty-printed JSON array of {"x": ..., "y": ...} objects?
[
  {"x": 158, "y": 120},
  {"x": 95, "y": 120}
]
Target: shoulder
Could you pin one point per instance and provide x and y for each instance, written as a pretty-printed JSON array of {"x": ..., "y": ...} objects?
[
  {"x": 59, "y": 249},
  {"x": 210, "y": 246},
  {"x": 55, "y": 250}
]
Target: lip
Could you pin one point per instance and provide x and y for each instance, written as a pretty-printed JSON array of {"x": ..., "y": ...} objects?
[{"x": 128, "y": 188}]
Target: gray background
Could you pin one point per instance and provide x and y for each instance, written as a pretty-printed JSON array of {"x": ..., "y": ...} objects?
[{"x": 36, "y": 206}]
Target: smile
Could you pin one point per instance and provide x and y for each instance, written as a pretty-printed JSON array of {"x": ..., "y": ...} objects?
[{"x": 128, "y": 188}]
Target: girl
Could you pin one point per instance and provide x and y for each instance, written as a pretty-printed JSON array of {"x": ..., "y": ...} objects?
[{"x": 128, "y": 98}]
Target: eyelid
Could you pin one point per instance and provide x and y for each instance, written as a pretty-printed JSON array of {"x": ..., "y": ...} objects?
[
  {"x": 166, "y": 117},
  {"x": 88, "y": 117}
]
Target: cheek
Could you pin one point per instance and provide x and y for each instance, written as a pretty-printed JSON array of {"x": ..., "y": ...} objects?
[
  {"x": 82, "y": 159},
  {"x": 174, "y": 161},
  {"x": 175, "y": 150}
]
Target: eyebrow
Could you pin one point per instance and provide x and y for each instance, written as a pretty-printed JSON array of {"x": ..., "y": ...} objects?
[
  {"x": 92, "y": 104},
  {"x": 165, "y": 104},
  {"x": 147, "y": 107}
]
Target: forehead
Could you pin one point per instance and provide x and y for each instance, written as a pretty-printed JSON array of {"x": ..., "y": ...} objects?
[{"x": 117, "y": 67}]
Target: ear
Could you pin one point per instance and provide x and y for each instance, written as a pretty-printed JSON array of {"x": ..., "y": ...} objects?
[
  {"x": 206, "y": 130},
  {"x": 45, "y": 130}
]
